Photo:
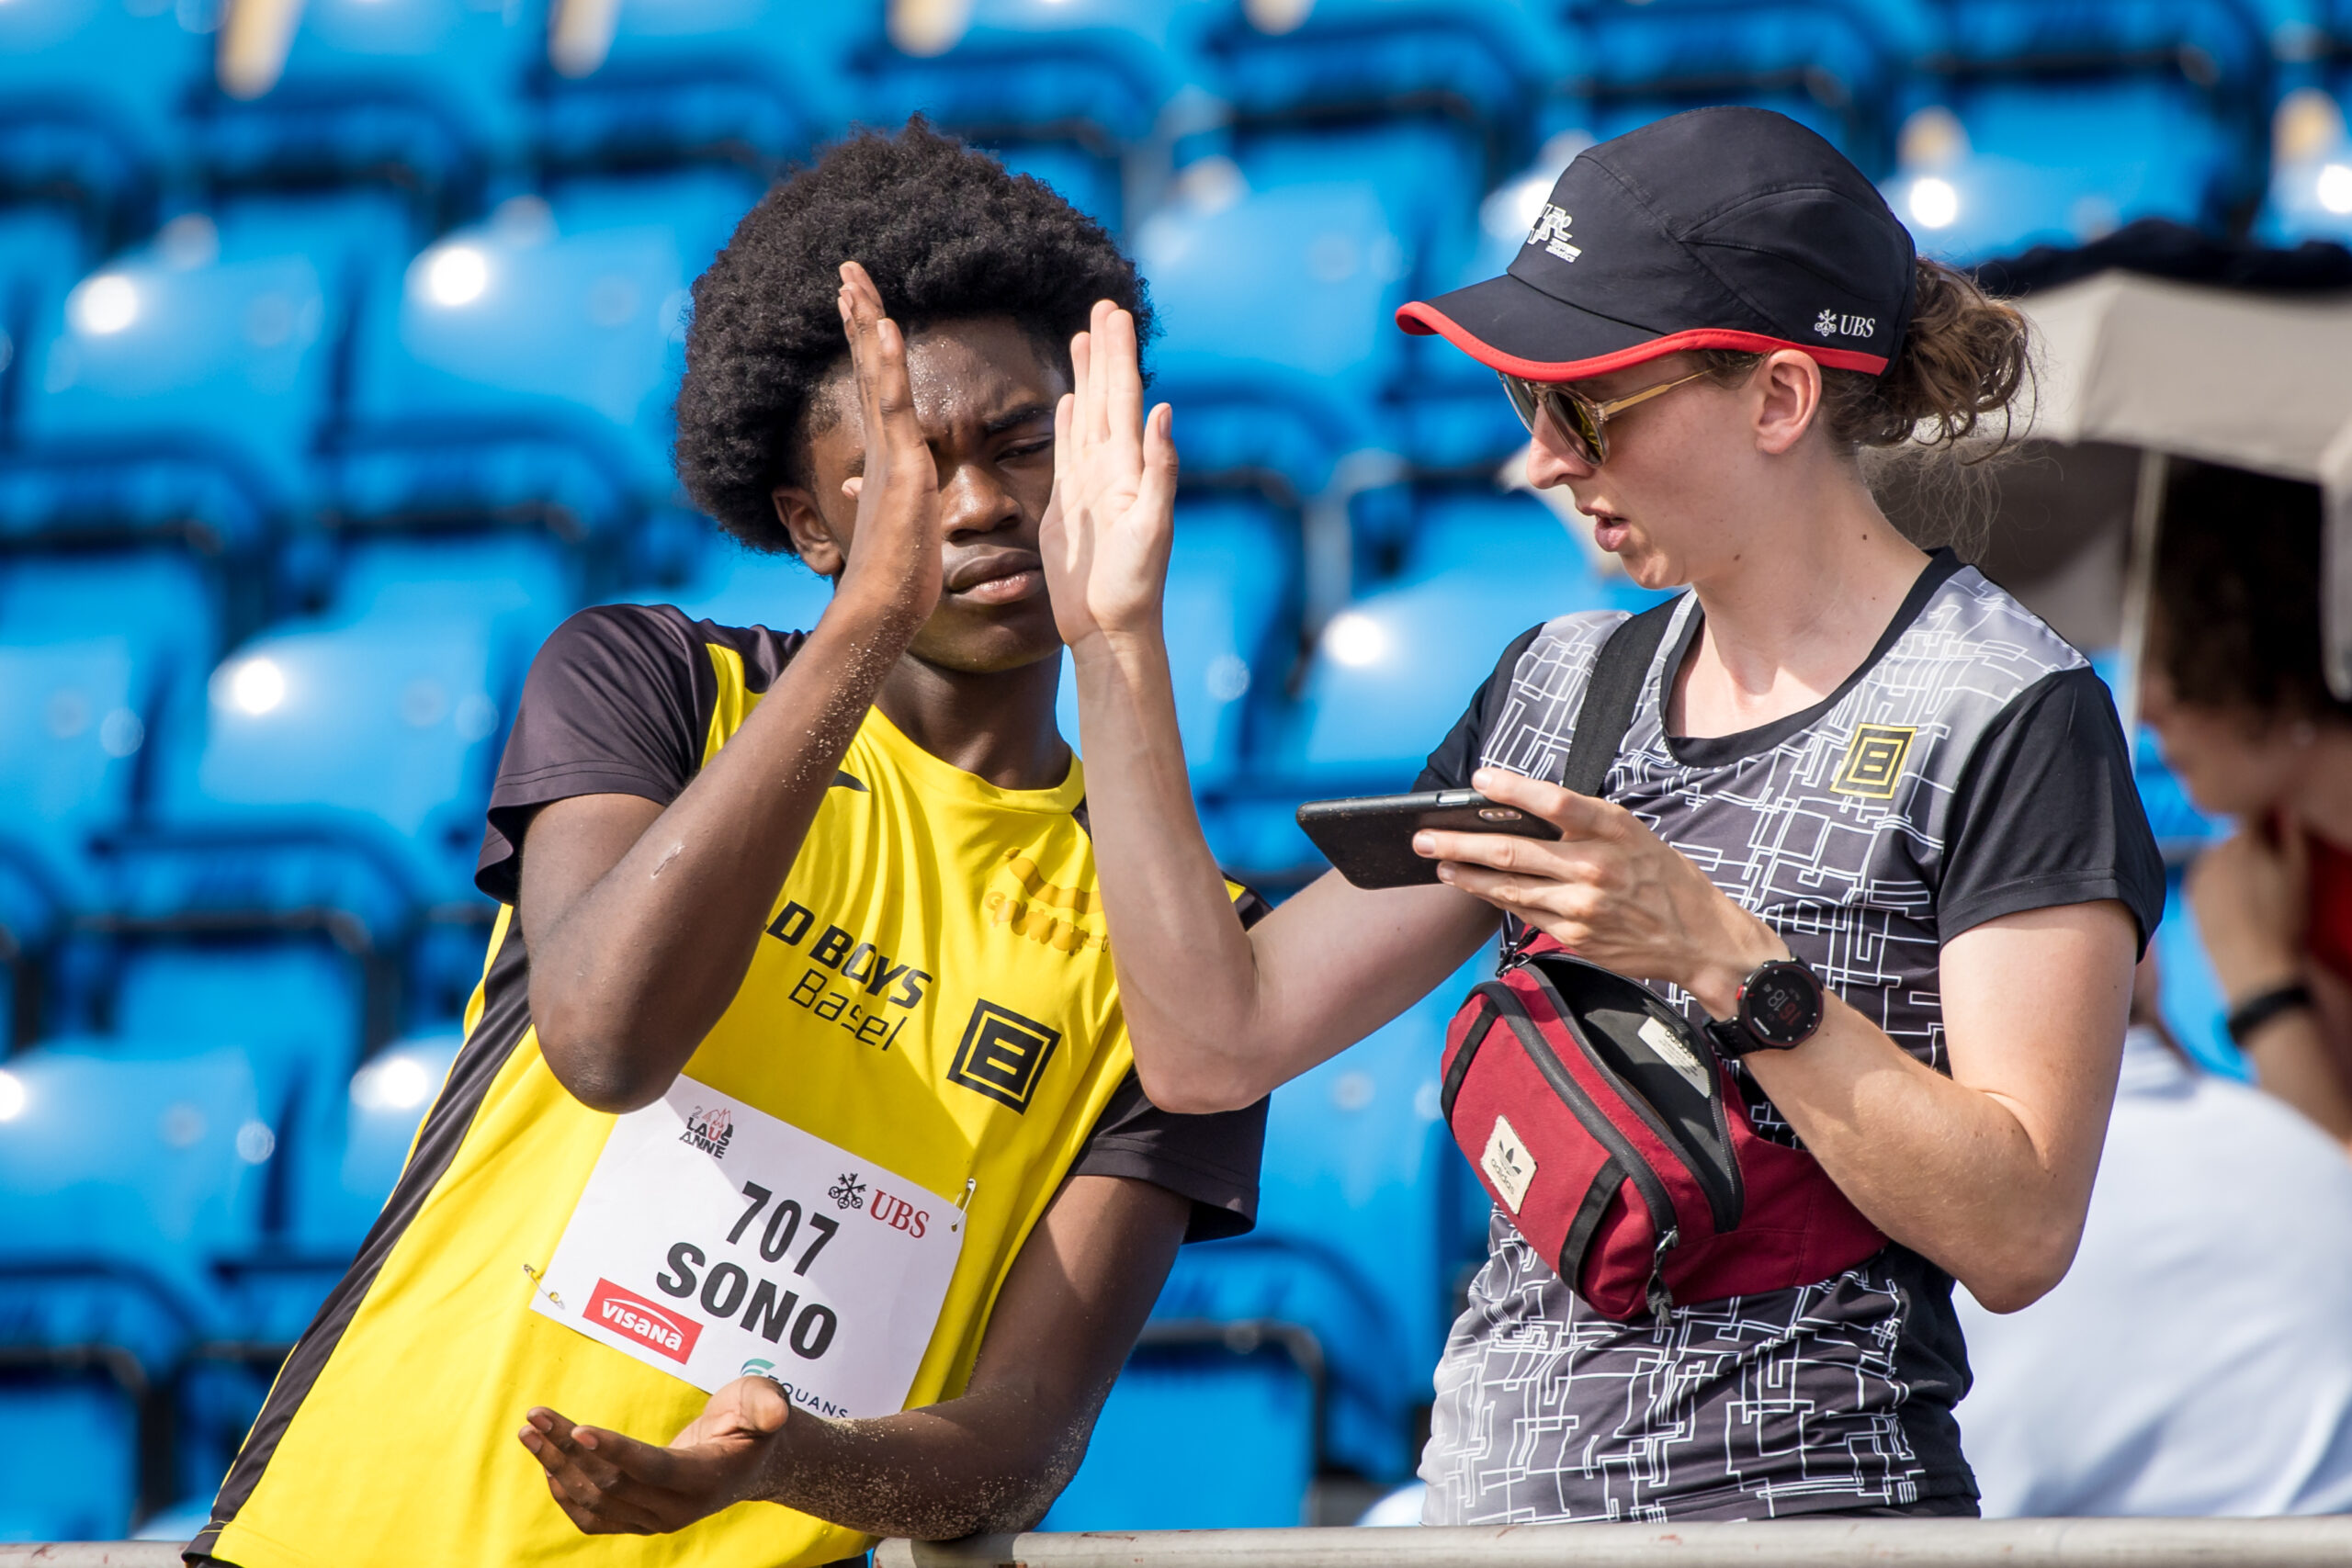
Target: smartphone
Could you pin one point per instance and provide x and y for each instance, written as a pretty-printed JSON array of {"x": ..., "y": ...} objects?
[{"x": 1369, "y": 837}]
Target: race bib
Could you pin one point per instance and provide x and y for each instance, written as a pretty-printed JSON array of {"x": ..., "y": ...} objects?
[{"x": 713, "y": 1240}]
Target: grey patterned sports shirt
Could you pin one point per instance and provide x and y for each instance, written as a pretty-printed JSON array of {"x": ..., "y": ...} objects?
[{"x": 1973, "y": 767}]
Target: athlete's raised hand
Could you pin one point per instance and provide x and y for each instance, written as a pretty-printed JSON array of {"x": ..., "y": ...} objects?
[
  {"x": 1105, "y": 535},
  {"x": 895, "y": 554},
  {"x": 611, "y": 1485}
]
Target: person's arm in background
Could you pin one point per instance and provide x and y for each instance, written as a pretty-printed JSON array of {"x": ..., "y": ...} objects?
[
  {"x": 994, "y": 1457},
  {"x": 1219, "y": 1015},
  {"x": 2250, "y": 897},
  {"x": 642, "y": 919}
]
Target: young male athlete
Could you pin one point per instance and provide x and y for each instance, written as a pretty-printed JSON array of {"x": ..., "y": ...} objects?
[{"x": 797, "y": 1080}]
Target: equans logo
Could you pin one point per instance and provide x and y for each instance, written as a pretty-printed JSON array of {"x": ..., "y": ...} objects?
[
  {"x": 1873, "y": 763},
  {"x": 710, "y": 1131},
  {"x": 1551, "y": 232},
  {"x": 624, "y": 1312},
  {"x": 1830, "y": 323}
]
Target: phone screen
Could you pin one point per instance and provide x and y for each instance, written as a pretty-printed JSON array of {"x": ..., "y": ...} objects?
[{"x": 1370, "y": 838}]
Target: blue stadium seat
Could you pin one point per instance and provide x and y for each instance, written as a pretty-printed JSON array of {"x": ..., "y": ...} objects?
[
  {"x": 2005, "y": 165},
  {"x": 1427, "y": 173},
  {"x": 42, "y": 253},
  {"x": 90, "y": 92},
  {"x": 1395, "y": 669},
  {"x": 736, "y": 586},
  {"x": 127, "y": 1167},
  {"x": 1108, "y": 66},
  {"x": 344, "y": 1174},
  {"x": 1231, "y": 587},
  {"x": 73, "y": 1441},
  {"x": 1362, "y": 1232},
  {"x": 2215, "y": 40},
  {"x": 2311, "y": 172},
  {"x": 527, "y": 369},
  {"x": 177, "y": 393},
  {"x": 746, "y": 80},
  {"x": 432, "y": 92},
  {"x": 294, "y": 1006},
  {"x": 1198, "y": 1438},
  {"x": 345, "y": 760},
  {"x": 1089, "y": 180},
  {"x": 97, "y": 649},
  {"x": 1485, "y": 63},
  {"x": 1836, "y": 63},
  {"x": 1279, "y": 344}
]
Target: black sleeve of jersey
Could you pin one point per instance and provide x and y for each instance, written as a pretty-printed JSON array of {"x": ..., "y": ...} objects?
[
  {"x": 2047, "y": 814},
  {"x": 1456, "y": 757},
  {"x": 1212, "y": 1160},
  {"x": 612, "y": 705}
]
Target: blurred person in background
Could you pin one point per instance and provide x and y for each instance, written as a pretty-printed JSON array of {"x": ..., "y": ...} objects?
[
  {"x": 2236, "y": 689},
  {"x": 2194, "y": 1360},
  {"x": 1712, "y": 316},
  {"x": 797, "y": 1073}
]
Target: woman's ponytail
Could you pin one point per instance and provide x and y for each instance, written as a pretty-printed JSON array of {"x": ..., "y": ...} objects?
[{"x": 1965, "y": 357}]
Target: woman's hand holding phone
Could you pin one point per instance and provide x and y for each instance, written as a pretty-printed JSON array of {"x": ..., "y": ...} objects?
[
  {"x": 1106, "y": 533},
  {"x": 1608, "y": 889}
]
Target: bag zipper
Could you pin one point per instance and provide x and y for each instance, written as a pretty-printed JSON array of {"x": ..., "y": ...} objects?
[
  {"x": 1563, "y": 1084},
  {"x": 1724, "y": 1205}
]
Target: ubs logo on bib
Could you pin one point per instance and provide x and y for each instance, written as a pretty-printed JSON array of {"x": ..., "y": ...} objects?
[
  {"x": 624, "y": 1312},
  {"x": 710, "y": 1131}
]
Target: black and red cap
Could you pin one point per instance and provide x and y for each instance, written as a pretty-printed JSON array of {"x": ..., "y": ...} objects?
[{"x": 1721, "y": 228}]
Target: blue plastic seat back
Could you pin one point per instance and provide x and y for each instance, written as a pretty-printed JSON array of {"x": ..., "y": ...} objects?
[
  {"x": 177, "y": 386},
  {"x": 1427, "y": 172},
  {"x": 72, "y": 1438},
  {"x": 125, "y": 1169},
  {"x": 686, "y": 76},
  {"x": 2228, "y": 40},
  {"x": 1232, "y": 578},
  {"x": 92, "y": 90},
  {"x": 1109, "y": 65},
  {"x": 348, "y": 1172},
  {"x": 1277, "y": 308},
  {"x": 1395, "y": 669},
  {"x": 1486, "y": 60},
  {"x": 528, "y": 368},
  {"x": 1198, "y": 1439},
  {"x": 737, "y": 586},
  {"x": 1851, "y": 49},
  {"x": 1086, "y": 179},
  {"x": 41, "y": 254},
  {"x": 437, "y": 88},
  {"x": 293, "y": 1004},
  {"x": 95, "y": 651},
  {"x": 2065, "y": 164}
]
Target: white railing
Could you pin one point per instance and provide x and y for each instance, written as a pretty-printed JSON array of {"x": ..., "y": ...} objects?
[{"x": 1790, "y": 1543}]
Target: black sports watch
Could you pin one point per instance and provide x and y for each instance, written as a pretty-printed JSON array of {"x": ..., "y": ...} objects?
[{"x": 1780, "y": 1005}]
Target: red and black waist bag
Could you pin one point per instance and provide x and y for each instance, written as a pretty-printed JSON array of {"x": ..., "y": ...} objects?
[{"x": 1612, "y": 1135}]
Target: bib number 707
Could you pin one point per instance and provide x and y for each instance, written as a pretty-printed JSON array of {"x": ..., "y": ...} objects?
[{"x": 696, "y": 1248}]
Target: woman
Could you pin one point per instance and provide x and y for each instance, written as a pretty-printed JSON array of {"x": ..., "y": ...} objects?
[
  {"x": 2234, "y": 688},
  {"x": 1845, "y": 750}
]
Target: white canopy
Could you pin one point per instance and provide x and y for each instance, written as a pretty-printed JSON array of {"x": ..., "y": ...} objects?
[{"x": 2257, "y": 381}]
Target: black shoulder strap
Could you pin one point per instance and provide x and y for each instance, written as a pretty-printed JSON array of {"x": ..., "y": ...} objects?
[{"x": 1610, "y": 696}]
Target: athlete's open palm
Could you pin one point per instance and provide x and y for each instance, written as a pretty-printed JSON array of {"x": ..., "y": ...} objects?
[
  {"x": 894, "y": 555},
  {"x": 608, "y": 1483},
  {"x": 1105, "y": 535}
]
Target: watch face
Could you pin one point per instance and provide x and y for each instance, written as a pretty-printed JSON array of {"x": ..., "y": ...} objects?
[{"x": 1781, "y": 1002}]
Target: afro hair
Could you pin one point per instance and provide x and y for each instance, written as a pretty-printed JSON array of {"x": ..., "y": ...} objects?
[{"x": 947, "y": 234}]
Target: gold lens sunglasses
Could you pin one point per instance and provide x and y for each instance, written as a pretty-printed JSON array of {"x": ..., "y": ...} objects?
[{"x": 1583, "y": 421}]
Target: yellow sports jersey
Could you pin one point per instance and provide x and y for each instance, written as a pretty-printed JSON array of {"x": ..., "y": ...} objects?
[{"x": 933, "y": 1003}]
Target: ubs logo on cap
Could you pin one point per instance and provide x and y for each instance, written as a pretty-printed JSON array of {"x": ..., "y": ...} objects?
[
  {"x": 1832, "y": 323},
  {"x": 1551, "y": 232}
]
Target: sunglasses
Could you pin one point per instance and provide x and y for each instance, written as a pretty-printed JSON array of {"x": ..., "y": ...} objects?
[{"x": 1583, "y": 421}]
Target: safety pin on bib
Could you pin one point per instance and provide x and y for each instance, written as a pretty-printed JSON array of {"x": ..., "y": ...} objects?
[
  {"x": 539, "y": 1285},
  {"x": 963, "y": 1204}
]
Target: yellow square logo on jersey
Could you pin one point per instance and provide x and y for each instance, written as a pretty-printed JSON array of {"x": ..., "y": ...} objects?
[
  {"x": 1002, "y": 1054},
  {"x": 1874, "y": 761}
]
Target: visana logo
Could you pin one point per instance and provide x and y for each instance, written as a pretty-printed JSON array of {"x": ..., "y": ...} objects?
[
  {"x": 1830, "y": 323},
  {"x": 1551, "y": 232},
  {"x": 711, "y": 1131}
]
